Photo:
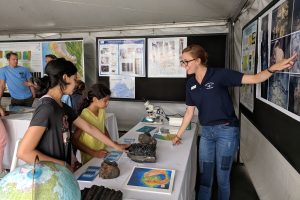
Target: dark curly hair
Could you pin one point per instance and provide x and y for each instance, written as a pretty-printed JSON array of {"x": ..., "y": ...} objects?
[{"x": 98, "y": 90}]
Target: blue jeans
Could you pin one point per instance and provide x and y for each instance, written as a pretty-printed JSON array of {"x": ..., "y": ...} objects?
[{"x": 218, "y": 145}]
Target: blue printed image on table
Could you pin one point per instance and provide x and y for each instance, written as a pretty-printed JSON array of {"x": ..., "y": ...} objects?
[
  {"x": 129, "y": 140},
  {"x": 113, "y": 156},
  {"x": 89, "y": 174},
  {"x": 146, "y": 129}
]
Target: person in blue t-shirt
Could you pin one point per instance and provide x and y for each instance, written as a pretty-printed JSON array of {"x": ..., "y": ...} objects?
[
  {"x": 18, "y": 82},
  {"x": 208, "y": 91}
]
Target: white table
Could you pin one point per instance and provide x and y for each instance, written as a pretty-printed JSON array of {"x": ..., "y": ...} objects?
[
  {"x": 181, "y": 158},
  {"x": 17, "y": 124}
]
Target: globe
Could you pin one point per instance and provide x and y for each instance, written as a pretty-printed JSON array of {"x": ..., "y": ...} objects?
[{"x": 49, "y": 181}]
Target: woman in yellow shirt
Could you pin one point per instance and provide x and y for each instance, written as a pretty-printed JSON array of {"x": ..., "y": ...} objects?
[{"x": 92, "y": 109}]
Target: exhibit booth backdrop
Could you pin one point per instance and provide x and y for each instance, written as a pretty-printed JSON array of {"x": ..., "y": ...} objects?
[{"x": 122, "y": 108}]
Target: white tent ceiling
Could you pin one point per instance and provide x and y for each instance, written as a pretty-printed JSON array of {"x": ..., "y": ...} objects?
[{"x": 32, "y": 16}]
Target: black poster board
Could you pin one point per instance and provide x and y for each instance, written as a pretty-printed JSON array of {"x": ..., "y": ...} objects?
[
  {"x": 279, "y": 128},
  {"x": 173, "y": 89}
]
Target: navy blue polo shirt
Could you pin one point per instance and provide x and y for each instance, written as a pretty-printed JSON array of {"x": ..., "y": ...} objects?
[{"x": 212, "y": 98}]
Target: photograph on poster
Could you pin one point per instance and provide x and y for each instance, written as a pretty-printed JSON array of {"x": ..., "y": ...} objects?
[
  {"x": 278, "y": 89},
  {"x": 294, "y": 95},
  {"x": 108, "y": 59},
  {"x": 104, "y": 68},
  {"x": 281, "y": 20},
  {"x": 137, "y": 65},
  {"x": 295, "y": 48},
  {"x": 264, "y": 49},
  {"x": 264, "y": 42},
  {"x": 296, "y": 16},
  {"x": 26, "y": 55},
  {"x": 127, "y": 52},
  {"x": 280, "y": 49},
  {"x": 127, "y": 67},
  {"x": 104, "y": 60},
  {"x": 104, "y": 51}
]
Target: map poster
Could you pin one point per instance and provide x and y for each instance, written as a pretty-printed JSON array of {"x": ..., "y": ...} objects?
[
  {"x": 71, "y": 50},
  {"x": 151, "y": 180},
  {"x": 248, "y": 63},
  {"x": 122, "y": 86},
  {"x": 282, "y": 90},
  {"x": 121, "y": 57},
  {"x": 164, "y": 57},
  {"x": 31, "y": 54}
]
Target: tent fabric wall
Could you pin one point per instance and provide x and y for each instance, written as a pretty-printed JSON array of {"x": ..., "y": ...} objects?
[
  {"x": 271, "y": 174},
  {"x": 273, "y": 177}
]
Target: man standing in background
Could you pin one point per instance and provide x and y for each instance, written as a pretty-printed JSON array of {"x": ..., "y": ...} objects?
[
  {"x": 49, "y": 57},
  {"x": 18, "y": 82}
]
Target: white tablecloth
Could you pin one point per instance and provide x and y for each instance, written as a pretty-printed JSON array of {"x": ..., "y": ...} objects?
[
  {"x": 17, "y": 124},
  {"x": 181, "y": 158}
]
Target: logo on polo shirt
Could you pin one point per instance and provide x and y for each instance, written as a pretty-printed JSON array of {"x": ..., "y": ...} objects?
[
  {"x": 22, "y": 74},
  {"x": 193, "y": 87},
  {"x": 209, "y": 85}
]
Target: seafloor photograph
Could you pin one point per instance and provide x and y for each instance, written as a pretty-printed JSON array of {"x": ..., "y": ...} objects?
[
  {"x": 281, "y": 17},
  {"x": 294, "y": 94},
  {"x": 295, "y": 48},
  {"x": 296, "y": 16},
  {"x": 278, "y": 89}
]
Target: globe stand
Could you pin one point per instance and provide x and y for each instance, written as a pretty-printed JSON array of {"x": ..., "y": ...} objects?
[{"x": 35, "y": 173}]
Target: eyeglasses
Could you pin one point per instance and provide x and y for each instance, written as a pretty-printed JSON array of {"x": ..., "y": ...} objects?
[{"x": 186, "y": 62}]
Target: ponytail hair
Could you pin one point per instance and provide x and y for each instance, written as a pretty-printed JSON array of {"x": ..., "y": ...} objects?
[
  {"x": 55, "y": 71},
  {"x": 42, "y": 85},
  {"x": 98, "y": 90},
  {"x": 197, "y": 51}
]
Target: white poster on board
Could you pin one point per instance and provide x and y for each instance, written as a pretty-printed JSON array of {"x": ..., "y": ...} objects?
[
  {"x": 121, "y": 57},
  {"x": 164, "y": 57},
  {"x": 29, "y": 55},
  {"x": 122, "y": 86}
]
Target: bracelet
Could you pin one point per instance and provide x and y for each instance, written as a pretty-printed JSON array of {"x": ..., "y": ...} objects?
[
  {"x": 272, "y": 72},
  {"x": 179, "y": 138}
]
